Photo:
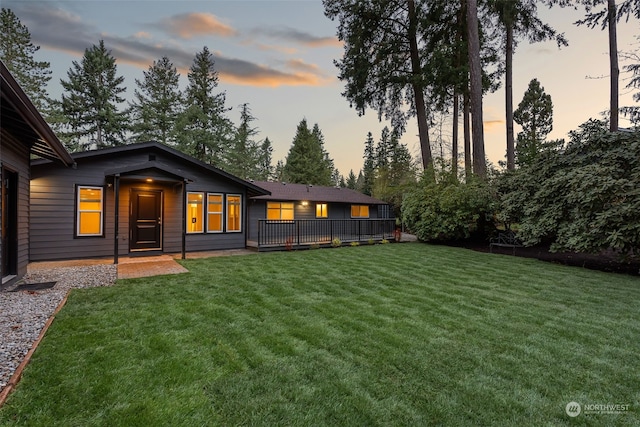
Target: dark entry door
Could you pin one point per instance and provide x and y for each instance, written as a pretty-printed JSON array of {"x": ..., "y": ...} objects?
[
  {"x": 9, "y": 216},
  {"x": 146, "y": 220}
]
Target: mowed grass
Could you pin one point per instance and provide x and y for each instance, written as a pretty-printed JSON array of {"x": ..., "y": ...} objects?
[{"x": 400, "y": 334}]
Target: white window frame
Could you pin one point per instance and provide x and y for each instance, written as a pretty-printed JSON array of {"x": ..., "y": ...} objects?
[
  {"x": 221, "y": 213},
  {"x": 227, "y": 216},
  {"x": 100, "y": 211},
  {"x": 202, "y": 193}
]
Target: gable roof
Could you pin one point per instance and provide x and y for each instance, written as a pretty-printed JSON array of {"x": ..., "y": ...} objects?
[
  {"x": 21, "y": 118},
  {"x": 252, "y": 189},
  {"x": 314, "y": 193}
]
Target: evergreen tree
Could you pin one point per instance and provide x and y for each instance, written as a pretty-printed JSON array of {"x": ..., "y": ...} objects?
[
  {"x": 157, "y": 103},
  {"x": 17, "y": 52},
  {"x": 369, "y": 170},
  {"x": 243, "y": 158},
  {"x": 352, "y": 181},
  {"x": 307, "y": 162},
  {"x": 535, "y": 115},
  {"x": 265, "y": 169},
  {"x": 383, "y": 61},
  {"x": 203, "y": 129},
  {"x": 278, "y": 172},
  {"x": 90, "y": 101},
  {"x": 519, "y": 18}
]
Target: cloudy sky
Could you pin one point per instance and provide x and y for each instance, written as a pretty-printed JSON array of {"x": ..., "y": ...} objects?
[{"x": 277, "y": 56}]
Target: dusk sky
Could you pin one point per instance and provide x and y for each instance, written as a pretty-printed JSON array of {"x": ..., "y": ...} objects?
[{"x": 277, "y": 56}]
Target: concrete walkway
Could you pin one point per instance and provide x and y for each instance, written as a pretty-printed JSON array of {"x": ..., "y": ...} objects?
[{"x": 142, "y": 266}]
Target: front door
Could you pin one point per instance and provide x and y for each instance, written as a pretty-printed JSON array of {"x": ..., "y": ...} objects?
[
  {"x": 9, "y": 221},
  {"x": 146, "y": 220}
]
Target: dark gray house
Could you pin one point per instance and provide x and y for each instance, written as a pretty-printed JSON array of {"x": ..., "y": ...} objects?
[
  {"x": 295, "y": 215},
  {"x": 143, "y": 199},
  {"x": 23, "y": 133}
]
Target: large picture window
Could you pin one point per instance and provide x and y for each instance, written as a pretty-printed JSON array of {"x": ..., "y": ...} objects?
[
  {"x": 90, "y": 210},
  {"x": 234, "y": 213},
  {"x": 214, "y": 213},
  {"x": 359, "y": 211},
  {"x": 195, "y": 212},
  {"x": 280, "y": 211}
]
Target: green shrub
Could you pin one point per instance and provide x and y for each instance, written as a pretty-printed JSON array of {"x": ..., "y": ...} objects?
[
  {"x": 448, "y": 209},
  {"x": 354, "y": 243},
  {"x": 336, "y": 242},
  {"x": 585, "y": 198},
  {"x": 371, "y": 242},
  {"x": 384, "y": 241}
]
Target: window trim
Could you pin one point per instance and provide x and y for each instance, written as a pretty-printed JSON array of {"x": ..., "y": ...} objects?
[
  {"x": 359, "y": 209},
  {"x": 221, "y": 213},
  {"x": 293, "y": 211},
  {"x": 77, "y": 211},
  {"x": 202, "y": 211},
  {"x": 227, "y": 216},
  {"x": 324, "y": 210}
]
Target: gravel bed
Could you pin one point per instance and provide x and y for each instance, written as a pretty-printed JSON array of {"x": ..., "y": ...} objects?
[{"x": 23, "y": 314}]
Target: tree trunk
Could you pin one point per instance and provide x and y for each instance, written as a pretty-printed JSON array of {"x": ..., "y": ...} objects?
[
  {"x": 421, "y": 111},
  {"x": 454, "y": 142},
  {"x": 475, "y": 73},
  {"x": 466, "y": 111},
  {"x": 613, "y": 61},
  {"x": 511, "y": 156}
]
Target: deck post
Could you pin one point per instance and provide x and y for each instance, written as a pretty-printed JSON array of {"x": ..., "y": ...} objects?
[
  {"x": 116, "y": 217},
  {"x": 184, "y": 218}
]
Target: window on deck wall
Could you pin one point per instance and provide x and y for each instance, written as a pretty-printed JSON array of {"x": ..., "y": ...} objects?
[
  {"x": 321, "y": 210},
  {"x": 359, "y": 211},
  {"x": 214, "y": 213},
  {"x": 89, "y": 210},
  {"x": 195, "y": 212},
  {"x": 234, "y": 213},
  {"x": 280, "y": 211}
]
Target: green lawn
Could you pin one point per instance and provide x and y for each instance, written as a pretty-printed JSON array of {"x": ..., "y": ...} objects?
[{"x": 398, "y": 334}]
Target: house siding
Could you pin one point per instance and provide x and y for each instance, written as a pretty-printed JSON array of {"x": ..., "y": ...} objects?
[
  {"x": 14, "y": 156},
  {"x": 53, "y": 190}
]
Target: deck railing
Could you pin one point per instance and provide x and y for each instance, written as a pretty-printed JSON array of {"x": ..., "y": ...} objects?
[{"x": 300, "y": 232}]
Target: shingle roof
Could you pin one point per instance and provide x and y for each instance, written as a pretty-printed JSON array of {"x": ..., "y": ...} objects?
[{"x": 314, "y": 193}]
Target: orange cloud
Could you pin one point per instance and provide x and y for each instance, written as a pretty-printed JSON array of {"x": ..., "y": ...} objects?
[
  {"x": 267, "y": 77},
  {"x": 189, "y": 25},
  {"x": 492, "y": 124}
]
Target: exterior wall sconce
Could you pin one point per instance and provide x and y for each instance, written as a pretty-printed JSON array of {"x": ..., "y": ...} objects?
[{"x": 305, "y": 203}]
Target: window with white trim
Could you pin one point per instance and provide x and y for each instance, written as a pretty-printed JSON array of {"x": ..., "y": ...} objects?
[
  {"x": 321, "y": 210},
  {"x": 280, "y": 211},
  {"x": 90, "y": 211},
  {"x": 234, "y": 212},
  {"x": 195, "y": 212},
  {"x": 214, "y": 213}
]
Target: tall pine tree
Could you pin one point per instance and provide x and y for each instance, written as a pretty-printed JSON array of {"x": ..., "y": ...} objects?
[
  {"x": 535, "y": 115},
  {"x": 204, "y": 131},
  {"x": 157, "y": 103},
  {"x": 243, "y": 156},
  {"x": 369, "y": 169},
  {"x": 307, "y": 162},
  {"x": 17, "y": 52},
  {"x": 265, "y": 168},
  {"x": 91, "y": 99}
]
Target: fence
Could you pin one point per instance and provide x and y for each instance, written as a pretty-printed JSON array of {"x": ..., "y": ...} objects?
[{"x": 322, "y": 231}]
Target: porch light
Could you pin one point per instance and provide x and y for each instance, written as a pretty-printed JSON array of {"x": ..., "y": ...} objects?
[
  {"x": 305, "y": 203},
  {"x": 149, "y": 180}
]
